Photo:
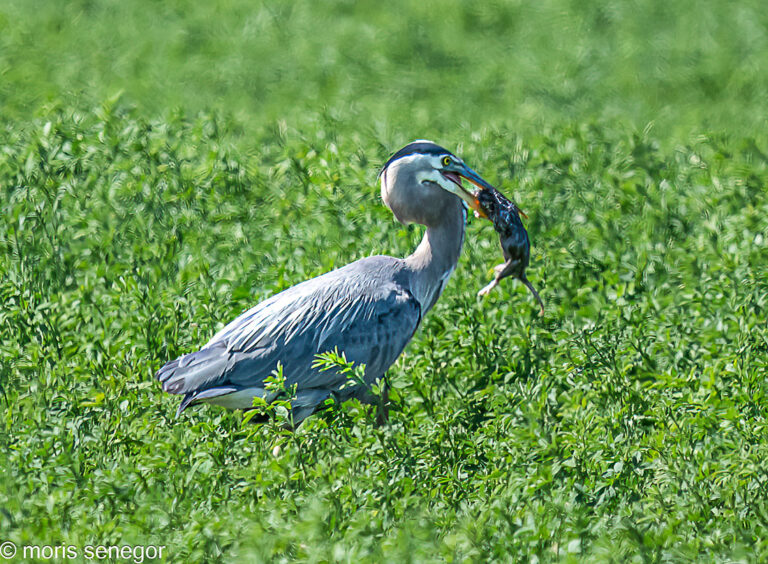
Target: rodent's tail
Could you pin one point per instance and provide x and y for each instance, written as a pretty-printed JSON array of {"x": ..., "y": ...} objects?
[{"x": 528, "y": 285}]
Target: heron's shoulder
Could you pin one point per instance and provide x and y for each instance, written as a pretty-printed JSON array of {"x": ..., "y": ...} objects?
[
  {"x": 371, "y": 270},
  {"x": 368, "y": 283},
  {"x": 362, "y": 275},
  {"x": 374, "y": 278}
]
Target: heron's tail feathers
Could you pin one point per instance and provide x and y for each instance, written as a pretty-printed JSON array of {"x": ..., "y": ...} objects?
[
  {"x": 304, "y": 404},
  {"x": 193, "y": 371},
  {"x": 208, "y": 395}
]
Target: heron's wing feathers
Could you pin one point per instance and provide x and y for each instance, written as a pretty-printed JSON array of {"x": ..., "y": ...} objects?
[{"x": 358, "y": 309}]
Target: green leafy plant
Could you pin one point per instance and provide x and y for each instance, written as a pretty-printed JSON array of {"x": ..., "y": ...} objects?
[{"x": 628, "y": 424}]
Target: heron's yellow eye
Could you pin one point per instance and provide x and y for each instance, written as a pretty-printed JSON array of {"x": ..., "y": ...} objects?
[{"x": 446, "y": 161}]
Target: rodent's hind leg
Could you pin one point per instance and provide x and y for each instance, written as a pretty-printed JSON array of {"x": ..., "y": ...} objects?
[
  {"x": 487, "y": 289},
  {"x": 508, "y": 268},
  {"x": 501, "y": 271}
]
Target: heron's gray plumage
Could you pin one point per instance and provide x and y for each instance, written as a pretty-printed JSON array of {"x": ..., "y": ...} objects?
[
  {"x": 361, "y": 309},
  {"x": 369, "y": 309}
]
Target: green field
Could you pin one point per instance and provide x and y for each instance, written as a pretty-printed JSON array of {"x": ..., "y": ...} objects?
[{"x": 166, "y": 165}]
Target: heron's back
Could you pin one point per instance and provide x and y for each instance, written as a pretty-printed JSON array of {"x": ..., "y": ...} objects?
[{"x": 363, "y": 309}]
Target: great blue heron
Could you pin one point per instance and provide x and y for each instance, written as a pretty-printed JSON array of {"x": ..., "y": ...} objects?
[{"x": 368, "y": 309}]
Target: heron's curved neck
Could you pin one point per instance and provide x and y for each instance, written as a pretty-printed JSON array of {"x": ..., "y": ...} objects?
[{"x": 436, "y": 257}]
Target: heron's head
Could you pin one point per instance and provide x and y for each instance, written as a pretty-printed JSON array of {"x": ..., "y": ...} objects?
[{"x": 421, "y": 178}]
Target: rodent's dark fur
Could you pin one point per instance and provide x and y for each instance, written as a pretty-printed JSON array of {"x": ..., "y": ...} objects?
[{"x": 515, "y": 243}]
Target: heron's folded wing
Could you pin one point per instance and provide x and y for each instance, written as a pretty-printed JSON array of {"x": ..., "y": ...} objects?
[{"x": 368, "y": 317}]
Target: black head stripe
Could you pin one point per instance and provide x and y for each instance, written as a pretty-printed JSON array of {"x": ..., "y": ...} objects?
[{"x": 416, "y": 148}]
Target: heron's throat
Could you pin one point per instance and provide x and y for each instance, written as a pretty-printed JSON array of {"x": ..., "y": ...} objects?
[{"x": 436, "y": 257}]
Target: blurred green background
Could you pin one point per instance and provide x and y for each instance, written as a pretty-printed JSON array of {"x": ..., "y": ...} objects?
[
  {"x": 165, "y": 165},
  {"x": 418, "y": 68}
]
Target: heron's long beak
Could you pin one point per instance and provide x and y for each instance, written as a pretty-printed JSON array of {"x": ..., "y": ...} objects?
[
  {"x": 474, "y": 178},
  {"x": 463, "y": 171}
]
